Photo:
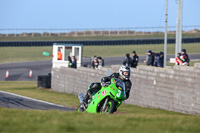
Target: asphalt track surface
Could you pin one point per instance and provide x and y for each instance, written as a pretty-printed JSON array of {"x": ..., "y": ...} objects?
[
  {"x": 11, "y": 100},
  {"x": 20, "y": 71}
]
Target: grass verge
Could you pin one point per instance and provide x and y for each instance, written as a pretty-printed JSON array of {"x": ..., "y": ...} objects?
[
  {"x": 131, "y": 119},
  {"x": 21, "y": 54}
]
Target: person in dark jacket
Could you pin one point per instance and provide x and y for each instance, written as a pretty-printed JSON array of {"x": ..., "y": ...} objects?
[
  {"x": 185, "y": 58},
  {"x": 124, "y": 75},
  {"x": 95, "y": 63},
  {"x": 128, "y": 61},
  {"x": 101, "y": 61},
  {"x": 161, "y": 60},
  {"x": 135, "y": 59},
  {"x": 150, "y": 58},
  {"x": 70, "y": 62},
  {"x": 156, "y": 59},
  {"x": 74, "y": 62}
]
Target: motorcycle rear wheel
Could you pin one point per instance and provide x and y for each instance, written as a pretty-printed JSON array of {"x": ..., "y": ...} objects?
[{"x": 80, "y": 108}]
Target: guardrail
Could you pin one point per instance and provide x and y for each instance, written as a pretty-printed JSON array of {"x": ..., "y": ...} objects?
[
  {"x": 99, "y": 42},
  {"x": 95, "y": 32}
]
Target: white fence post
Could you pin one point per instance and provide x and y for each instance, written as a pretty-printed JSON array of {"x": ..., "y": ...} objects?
[
  {"x": 66, "y": 33},
  {"x": 15, "y": 32},
  {"x": 33, "y": 33},
  {"x": 6, "y": 32},
  {"x": 58, "y": 32},
  {"x": 24, "y": 32}
]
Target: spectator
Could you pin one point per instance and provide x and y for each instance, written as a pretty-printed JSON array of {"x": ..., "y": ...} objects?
[
  {"x": 161, "y": 60},
  {"x": 101, "y": 61},
  {"x": 95, "y": 63},
  {"x": 178, "y": 59},
  {"x": 128, "y": 61},
  {"x": 156, "y": 59},
  {"x": 59, "y": 55},
  {"x": 135, "y": 59},
  {"x": 74, "y": 62},
  {"x": 185, "y": 59},
  {"x": 70, "y": 62},
  {"x": 150, "y": 58}
]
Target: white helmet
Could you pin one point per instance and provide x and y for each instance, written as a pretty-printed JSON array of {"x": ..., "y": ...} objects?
[{"x": 123, "y": 69}]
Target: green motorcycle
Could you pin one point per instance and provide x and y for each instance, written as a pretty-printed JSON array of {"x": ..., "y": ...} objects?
[{"x": 106, "y": 100}]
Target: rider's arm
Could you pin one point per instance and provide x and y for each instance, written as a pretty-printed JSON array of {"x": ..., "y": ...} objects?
[
  {"x": 107, "y": 79},
  {"x": 128, "y": 89}
]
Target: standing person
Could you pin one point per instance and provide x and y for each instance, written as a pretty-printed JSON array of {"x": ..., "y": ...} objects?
[
  {"x": 70, "y": 62},
  {"x": 185, "y": 57},
  {"x": 150, "y": 58},
  {"x": 59, "y": 55},
  {"x": 161, "y": 60},
  {"x": 178, "y": 59},
  {"x": 156, "y": 59},
  {"x": 95, "y": 63},
  {"x": 101, "y": 61},
  {"x": 74, "y": 62},
  {"x": 128, "y": 61},
  {"x": 135, "y": 59}
]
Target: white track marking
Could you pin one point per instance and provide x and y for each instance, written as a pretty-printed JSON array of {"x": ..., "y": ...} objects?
[{"x": 31, "y": 98}]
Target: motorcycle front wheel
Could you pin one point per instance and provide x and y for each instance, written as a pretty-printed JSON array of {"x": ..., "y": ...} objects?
[{"x": 110, "y": 107}]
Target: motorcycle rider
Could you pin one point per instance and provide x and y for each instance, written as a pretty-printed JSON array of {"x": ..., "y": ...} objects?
[{"x": 124, "y": 75}]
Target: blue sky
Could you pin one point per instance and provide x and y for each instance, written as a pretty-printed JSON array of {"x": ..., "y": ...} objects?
[{"x": 73, "y": 14}]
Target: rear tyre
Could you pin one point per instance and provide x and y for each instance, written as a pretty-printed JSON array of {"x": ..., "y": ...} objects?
[{"x": 81, "y": 108}]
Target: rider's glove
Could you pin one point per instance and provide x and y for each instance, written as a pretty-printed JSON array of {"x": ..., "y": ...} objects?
[{"x": 104, "y": 84}]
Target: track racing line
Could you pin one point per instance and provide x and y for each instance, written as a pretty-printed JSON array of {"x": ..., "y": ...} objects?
[{"x": 11, "y": 100}]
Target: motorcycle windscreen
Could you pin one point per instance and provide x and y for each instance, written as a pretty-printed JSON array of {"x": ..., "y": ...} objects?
[{"x": 121, "y": 86}]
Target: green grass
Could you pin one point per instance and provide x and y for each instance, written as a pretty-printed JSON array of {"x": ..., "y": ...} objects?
[
  {"x": 121, "y": 50},
  {"x": 128, "y": 119},
  {"x": 21, "y": 54}
]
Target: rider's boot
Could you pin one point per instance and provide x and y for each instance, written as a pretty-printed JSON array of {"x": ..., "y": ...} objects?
[{"x": 86, "y": 98}]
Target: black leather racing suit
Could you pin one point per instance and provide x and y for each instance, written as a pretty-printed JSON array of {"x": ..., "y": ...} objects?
[
  {"x": 127, "y": 83},
  {"x": 94, "y": 87}
]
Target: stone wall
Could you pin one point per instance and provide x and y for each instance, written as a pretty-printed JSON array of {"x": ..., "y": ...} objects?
[{"x": 175, "y": 89}]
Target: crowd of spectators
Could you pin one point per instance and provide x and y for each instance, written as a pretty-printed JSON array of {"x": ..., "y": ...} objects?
[
  {"x": 131, "y": 62},
  {"x": 97, "y": 62},
  {"x": 154, "y": 59}
]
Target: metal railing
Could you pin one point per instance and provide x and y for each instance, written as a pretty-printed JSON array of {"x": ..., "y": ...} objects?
[
  {"x": 97, "y": 42},
  {"x": 96, "y": 32}
]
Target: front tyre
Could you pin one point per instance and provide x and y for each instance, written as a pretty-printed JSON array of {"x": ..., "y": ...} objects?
[{"x": 110, "y": 107}]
